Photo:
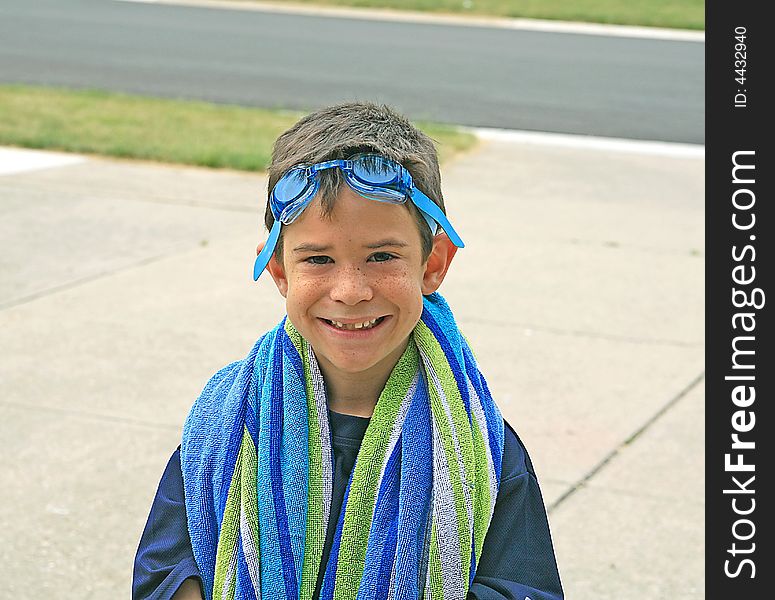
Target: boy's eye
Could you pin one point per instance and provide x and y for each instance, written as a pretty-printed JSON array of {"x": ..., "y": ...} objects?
[
  {"x": 382, "y": 256},
  {"x": 318, "y": 260}
]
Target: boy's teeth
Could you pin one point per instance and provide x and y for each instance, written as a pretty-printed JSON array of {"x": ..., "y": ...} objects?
[{"x": 351, "y": 326}]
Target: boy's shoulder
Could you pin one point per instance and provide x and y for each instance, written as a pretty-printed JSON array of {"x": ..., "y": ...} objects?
[
  {"x": 216, "y": 406},
  {"x": 516, "y": 460},
  {"x": 222, "y": 380}
]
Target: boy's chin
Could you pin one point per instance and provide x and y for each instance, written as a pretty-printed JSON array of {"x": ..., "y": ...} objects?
[
  {"x": 351, "y": 365},
  {"x": 363, "y": 363}
]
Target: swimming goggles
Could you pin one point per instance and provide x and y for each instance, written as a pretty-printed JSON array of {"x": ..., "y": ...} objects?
[{"x": 373, "y": 176}]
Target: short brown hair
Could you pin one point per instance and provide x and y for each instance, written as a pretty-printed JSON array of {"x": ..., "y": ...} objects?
[{"x": 338, "y": 132}]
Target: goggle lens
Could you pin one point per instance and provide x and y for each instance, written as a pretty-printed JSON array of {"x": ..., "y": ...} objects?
[
  {"x": 290, "y": 193},
  {"x": 375, "y": 170}
]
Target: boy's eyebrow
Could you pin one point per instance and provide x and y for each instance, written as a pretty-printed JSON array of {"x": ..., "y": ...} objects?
[
  {"x": 311, "y": 247},
  {"x": 387, "y": 242}
]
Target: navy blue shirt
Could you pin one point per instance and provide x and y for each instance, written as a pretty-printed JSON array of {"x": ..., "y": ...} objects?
[{"x": 517, "y": 558}]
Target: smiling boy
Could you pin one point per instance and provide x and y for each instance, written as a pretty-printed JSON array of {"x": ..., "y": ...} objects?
[
  {"x": 353, "y": 286},
  {"x": 356, "y": 452}
]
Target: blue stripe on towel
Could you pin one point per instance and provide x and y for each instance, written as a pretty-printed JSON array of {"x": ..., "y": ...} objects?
[
  {"x": 275, "y": 439},
  {"x": 252, "y": 425},
  {"x": 329, "y": 580},
  {"x": 494, "y": 420},
  {"x": 415, "y": 494},
  {"x": 390, "y": 521},
  {"x": 292, "y": 352},
  {"x": 452, "y": 358},
  {"x": 385, "y": 517}
]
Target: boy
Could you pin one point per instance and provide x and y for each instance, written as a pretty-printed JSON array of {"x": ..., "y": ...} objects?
[{"x": 356, "y": 452}]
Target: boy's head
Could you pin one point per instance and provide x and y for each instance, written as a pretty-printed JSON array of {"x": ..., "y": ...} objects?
[
  {"x": 344, "y": 130},
  {"x": 354, "y": 270}
]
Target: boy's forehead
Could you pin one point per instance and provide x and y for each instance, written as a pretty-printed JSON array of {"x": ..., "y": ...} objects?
[{"x": 357, "y": 217}]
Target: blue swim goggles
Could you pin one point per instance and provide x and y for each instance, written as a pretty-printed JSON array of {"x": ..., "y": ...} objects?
[{"x": 373, "y": 176}]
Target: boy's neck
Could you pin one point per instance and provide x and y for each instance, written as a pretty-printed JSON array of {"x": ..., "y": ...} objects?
[
  {"x": 353, "y": 395},
  {"x": 357, "y": 393}
]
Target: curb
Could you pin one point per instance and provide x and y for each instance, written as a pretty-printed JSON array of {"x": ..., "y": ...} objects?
[{"x": 389, "y": 15}]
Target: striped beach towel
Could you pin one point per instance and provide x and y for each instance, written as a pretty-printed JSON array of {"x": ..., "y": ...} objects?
[{"x": 257, "y": 467}]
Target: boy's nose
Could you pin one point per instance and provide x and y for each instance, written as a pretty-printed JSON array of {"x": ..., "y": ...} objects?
[{"x": 351, "y": 285}]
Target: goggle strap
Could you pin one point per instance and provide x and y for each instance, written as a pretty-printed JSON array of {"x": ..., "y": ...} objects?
[
  {"x": 430, "y": 208},
  {"x": 433, "y": 225},
  {"x": 265, "y": 255}
]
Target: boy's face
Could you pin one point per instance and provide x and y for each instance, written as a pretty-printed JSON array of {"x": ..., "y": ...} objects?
[{"x": 340, "y": 273}]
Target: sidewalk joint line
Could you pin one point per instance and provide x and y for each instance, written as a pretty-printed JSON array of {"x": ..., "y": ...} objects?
[
  {"x": 94, "y": 417},
  {"x": 196, "y": 204},
  {"x": 168, "y": 201},
  {"x": 586, "y": 334},
  {"x": 611, "y": 455},
  {"x": 649, "y": 496},
  {"x": 78, "y": 282}
]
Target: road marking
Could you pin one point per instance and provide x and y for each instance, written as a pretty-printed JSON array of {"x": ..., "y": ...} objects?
[
  {"x": 590, "y": 142},
  {"x": 18, "y": 160},
  {"x": 373, "y": 14}
]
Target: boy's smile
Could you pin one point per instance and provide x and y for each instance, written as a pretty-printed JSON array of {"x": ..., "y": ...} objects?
[{"x": 353, "y": 283}]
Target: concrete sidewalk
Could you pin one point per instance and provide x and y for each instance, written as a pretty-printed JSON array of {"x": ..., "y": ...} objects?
[{"x": 125, "y": 285}]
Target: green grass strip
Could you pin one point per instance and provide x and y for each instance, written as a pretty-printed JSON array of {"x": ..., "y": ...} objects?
[
  {"x": 173, "y": 131},
  {"x": 681, "y": 14}
]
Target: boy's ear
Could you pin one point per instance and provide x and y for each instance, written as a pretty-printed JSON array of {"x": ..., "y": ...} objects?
[
  {"x": 438, "y": 262},
  {"x": 277, "y": 271}
]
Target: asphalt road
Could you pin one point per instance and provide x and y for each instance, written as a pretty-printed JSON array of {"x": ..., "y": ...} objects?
[{"x": 556, "y": 82}]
